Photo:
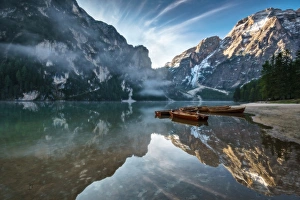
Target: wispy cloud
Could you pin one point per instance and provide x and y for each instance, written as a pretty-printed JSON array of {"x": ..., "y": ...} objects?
[
  {"x": 166, "y": 10},
  {"x": 171, "y": 7},
  {"x": 165, "y": 42},
  {"x": 183, "y": 25},
  {"x": 147, "y": 23}
]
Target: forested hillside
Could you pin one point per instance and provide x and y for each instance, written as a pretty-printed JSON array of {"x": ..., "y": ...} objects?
[{"x": 280, "y": 80}]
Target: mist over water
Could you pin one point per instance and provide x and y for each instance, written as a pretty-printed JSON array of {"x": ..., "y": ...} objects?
[{"x": 111, "y": 150}]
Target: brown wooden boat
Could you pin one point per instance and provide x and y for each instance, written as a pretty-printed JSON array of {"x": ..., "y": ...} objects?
[
  {"x": 202, "y": 109},
  {"x": 188, "y": 115},
  {"x": 218, "y": 107},
  {"x": 188, "y": 109},
  {"x": 190, "y": 122},
  {"x": 229, "y": 109},
  {"x": 194, "y": 109},
  {"x": 162, "y": 113},
  {"x": 213, "y": 109}
]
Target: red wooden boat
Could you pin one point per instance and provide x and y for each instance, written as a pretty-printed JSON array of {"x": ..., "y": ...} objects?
[
  {"x": 194, "y": 109},
  {"x": 190, "y": 122},
  {"x": 214, "y": 109},
  {"x": 162, "y": 113},
  {"x": 229, "y": 109},
  {"x": 188, "y": 115}
]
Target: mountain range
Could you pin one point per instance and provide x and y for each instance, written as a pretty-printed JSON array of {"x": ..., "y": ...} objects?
[
  {"x": 53, "y": 50},
  {"x": 221, "y": 65}
]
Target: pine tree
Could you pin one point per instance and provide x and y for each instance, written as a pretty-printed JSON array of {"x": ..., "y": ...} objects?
[
  {"x": 19, "y": 79},
  {"x": 279, "y": 80},
  {"x": 267, "y": 79},
  {"x": 287, "y": 76},
  {"x": 296, "y": 79},
  {"x": 8, "y": 86},
  {"x": 237, "y": 94}
]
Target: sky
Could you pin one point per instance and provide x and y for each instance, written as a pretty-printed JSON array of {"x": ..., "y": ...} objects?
[{"x": 169, "y": 27}]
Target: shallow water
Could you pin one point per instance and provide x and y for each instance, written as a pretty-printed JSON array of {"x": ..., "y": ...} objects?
[{"x": 72, "y": 150}]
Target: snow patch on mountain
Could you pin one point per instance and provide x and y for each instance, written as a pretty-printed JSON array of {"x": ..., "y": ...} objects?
[
  {"x": 127, "y": 89},
  {"x": 30, "y": 96},
  {"x": 75, "y": 9},
  {"x": 5, "y": 12},
  {"x": 258, "y": 24},
  {"x": 49, "y": 63},
  {"x": 70, "y": 60},
  {"x": 91, "y": 49},
  {"x": 129, "y": 100},
  {"x": 48, "y": 3},
  {"x": 123, "y": 86},
  {"x": 102, "y": 74},
  {"x": 60, "y": 79},
  {"x": 79, "y": 37},
  {"x": 199, "y": 88},
  {"x": 42, "y": 11},
  {"x": 292, "y": 25},
  {"x": 196, "y": 71},
  {"x": 46, "y": 49}
]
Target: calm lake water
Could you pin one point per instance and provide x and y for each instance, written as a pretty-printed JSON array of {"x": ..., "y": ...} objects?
[{"x": 72, "y": 150}]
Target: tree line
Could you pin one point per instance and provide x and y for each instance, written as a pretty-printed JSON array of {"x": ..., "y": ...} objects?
[
  {"x": 280, "y": 80},
  {"x": 21, "y": 75}
]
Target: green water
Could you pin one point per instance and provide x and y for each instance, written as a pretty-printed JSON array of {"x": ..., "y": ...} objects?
[{"x": 72, "y": 150}]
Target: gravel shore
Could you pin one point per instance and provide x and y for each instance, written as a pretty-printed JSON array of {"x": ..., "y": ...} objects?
[{"x": 283, "y": 118}]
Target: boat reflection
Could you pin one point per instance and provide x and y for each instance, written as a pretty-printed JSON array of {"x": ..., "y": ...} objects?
[{"x": 189, "y": 122}]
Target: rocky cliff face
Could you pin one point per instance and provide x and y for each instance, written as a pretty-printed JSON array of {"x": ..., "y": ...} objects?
[
  {"x": 237, "y": 59},
  {"x": 76, "y": 55}
]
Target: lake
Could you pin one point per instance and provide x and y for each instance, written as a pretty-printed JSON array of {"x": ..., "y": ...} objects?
[{"x": 112, "y": 150}]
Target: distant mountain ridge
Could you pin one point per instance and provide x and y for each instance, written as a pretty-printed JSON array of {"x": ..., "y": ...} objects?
[
  {"x": 53, "y": 50},
  {"x": 224, "y": 64},
  {"x": 66, "y": 53}
]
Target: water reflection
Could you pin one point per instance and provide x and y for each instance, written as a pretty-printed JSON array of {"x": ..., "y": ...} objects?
[
  {"x": 55, "y": 150},
  {"x": 255, "y": 160}
]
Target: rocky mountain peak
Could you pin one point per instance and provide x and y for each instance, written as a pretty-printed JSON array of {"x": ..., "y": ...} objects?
[
  {"x": 75, "y": 54},
  {"x": 253, "y": 35},
  {"x": 208, "y": 45},
  {"x": 222, "y": 65},
  {"x": 198, "y": 53}
]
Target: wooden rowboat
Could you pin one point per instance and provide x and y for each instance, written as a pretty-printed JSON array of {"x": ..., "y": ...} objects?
[
  {"x": 162, "y": 113},
  {"x": 188, "y": 115},
  {"x": 228, "y": 109},
  {"x": 203, "y": 108},
  {"x": 194, "y": 109},
  {"x": 190, "y": 122},
  {"x": 213, "y": 109},
  {"x": 218, "y": 107}
]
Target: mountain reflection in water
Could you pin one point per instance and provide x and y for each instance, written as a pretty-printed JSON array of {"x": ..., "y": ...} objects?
[{"x": 74, "y": 150}]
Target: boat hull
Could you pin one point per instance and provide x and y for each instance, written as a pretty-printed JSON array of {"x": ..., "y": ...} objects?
[
  {"x": 188, "y": 116},
  {"x": 162, "y": 113},
  {"x": 213, "y": 109},
  {"x": 227, "y": 110},
  {"x": 190, "y": 122}
]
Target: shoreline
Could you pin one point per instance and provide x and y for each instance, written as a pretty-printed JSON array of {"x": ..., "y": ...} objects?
[{"x": 283, "y": 118}]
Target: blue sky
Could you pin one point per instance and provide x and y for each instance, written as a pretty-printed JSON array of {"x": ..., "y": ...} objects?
[{"x": 168, "y": 27}]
